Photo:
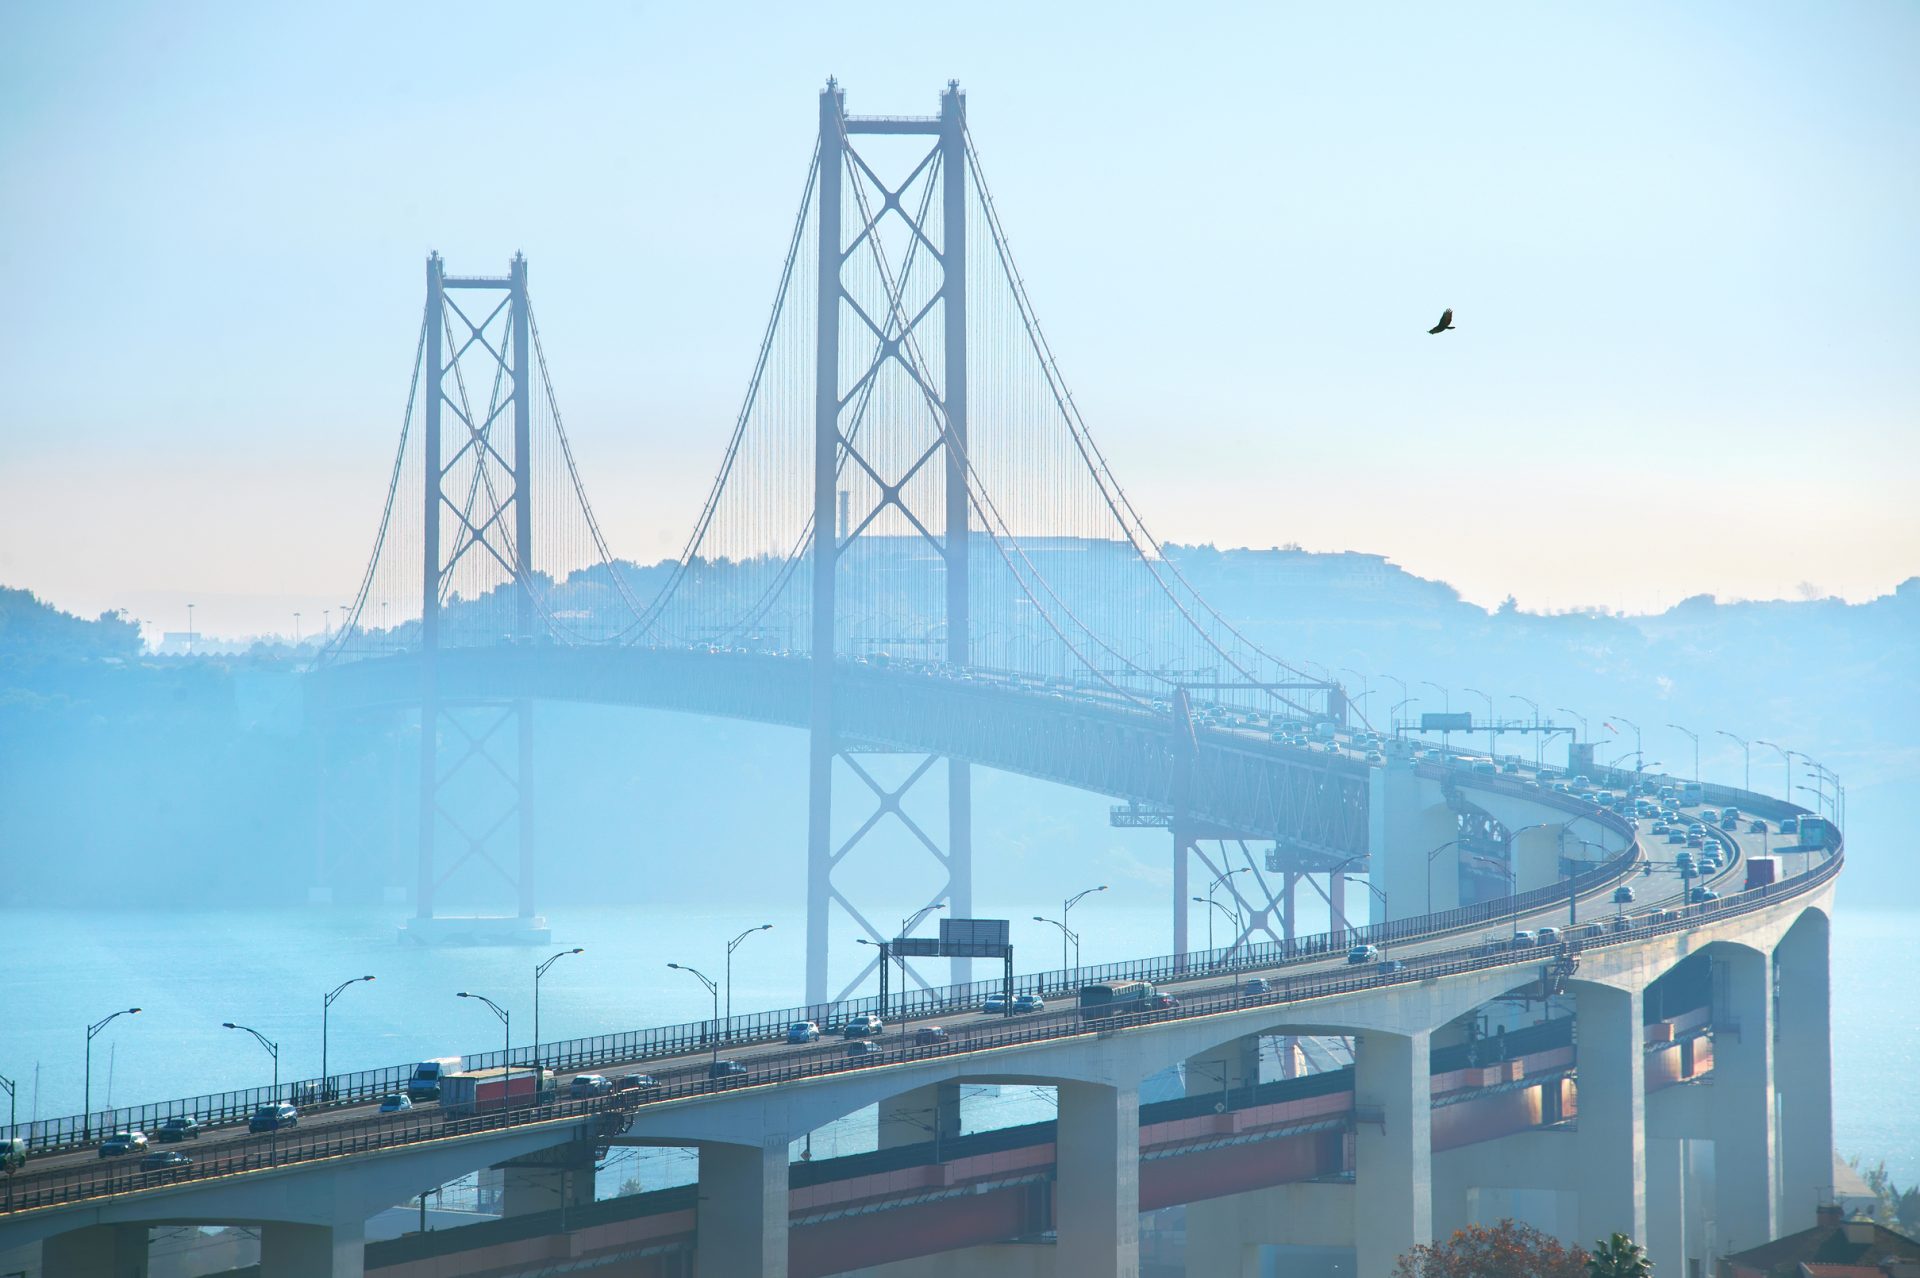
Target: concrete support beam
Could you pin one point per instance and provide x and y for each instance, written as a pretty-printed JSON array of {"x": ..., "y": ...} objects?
[
  {"x": 1231, "y": 1068},
  {"x": 1611, "y": 1138},
  {"x": 740, "y": 1220},
  {"x": 531, "y": 1189},
  {"x": 1667, "y": 1186},
  {"x": 1097, "y": 1197},
  {"x": 1536, "y": 857},
  {"x": 1741, "y": 1106},
  {"x": 98, "y": 1251},
  {"x": 912, "y": 1118},
  {"x": 313, "y": 1251},
  {"x": 1218, "y": 1244},
  {"x": 1407, "y": 817},
  {"x": 1803, "y": 1072},
  {"x": 1393, "y": 1149}
]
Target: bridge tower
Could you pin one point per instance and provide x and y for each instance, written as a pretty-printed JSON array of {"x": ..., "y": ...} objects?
[
  {"x": 484, "y": 734},
  {"x": 835, "y": 382}
]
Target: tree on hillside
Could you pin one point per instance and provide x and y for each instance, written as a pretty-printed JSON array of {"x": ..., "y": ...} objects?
[
  {"x": 1619, "y": 1257},
  {"x": 1507, "y": 1250}
]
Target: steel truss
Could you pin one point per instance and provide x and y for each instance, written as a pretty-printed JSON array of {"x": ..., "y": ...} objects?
[{"x": 890, "y": 336}]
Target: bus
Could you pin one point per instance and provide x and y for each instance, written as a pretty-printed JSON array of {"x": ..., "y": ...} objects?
[{"x": 1115, "y": 998}]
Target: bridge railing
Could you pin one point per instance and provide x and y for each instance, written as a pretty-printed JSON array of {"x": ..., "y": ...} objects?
[
  {"x": 638, "y": 1046},
  {"x": 92, "y": 1180}
]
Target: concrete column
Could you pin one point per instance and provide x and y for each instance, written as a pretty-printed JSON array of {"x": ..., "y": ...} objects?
[
  {"x": 1337, "y": 906},
  {"x": 313, "y": 1251},
  {"x": 1803, "y": 1072},
  {"x": 1407, "y": 817},
  {"x": 98, "y": 1251},
  {"x": 1226, "y": 1072},
  {"x": 530, "y": 1189},
  {"x": 1666, "y": 1205},
  {"x": 1216, "y": 1242},
  {"x": 1741, "y": 1108},
  {"x": 1393, "y": 1149},
  {"x": 1611, "y": 1139},
  {"x": 740, "y": 1222},
  {"x": 1096, "y": 1201},
  {"x": 911, "y": 1118}
]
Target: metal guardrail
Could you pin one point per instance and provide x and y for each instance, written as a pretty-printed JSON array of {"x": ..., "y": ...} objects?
[{"x": 72, "y": 1184}]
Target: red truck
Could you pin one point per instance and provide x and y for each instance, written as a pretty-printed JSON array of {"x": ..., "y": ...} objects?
[
  {"x": 1761, "y": 870},
  {"x": 485, "y": 1090}
]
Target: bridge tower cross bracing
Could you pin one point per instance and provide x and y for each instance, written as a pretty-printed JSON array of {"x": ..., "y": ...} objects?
[
  {"x": 488, "y": 728},
  {"x": 836, "y": 527}
]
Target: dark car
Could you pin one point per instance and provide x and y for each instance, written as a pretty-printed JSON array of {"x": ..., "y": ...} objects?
[
  {"x": 271, "y": 1118},
  {"x": 165, "y": 1160},
  {"x": 861, "y": 1049},
  {"x": 727, "y": 1071},
  {"x": 1162, "y": 1003},
  {"x": 123, "y": 1143},
  {"x": 861, "y": 1026},
  {"x": 178, "y": 1129},
  {"x": 629, "y": 1083},
  {"x": 1029, "y": 1003},
  {"x": 1623, "y": 895}
]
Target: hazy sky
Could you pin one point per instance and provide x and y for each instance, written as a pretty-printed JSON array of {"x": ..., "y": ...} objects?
[{"x": 1681, "y": 241}]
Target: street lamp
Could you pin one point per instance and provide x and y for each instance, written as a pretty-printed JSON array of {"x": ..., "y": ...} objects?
[
  {"x": 1535, "y": 706},
  {"x": 1066, "y": 934},
  {"x": 1695, "y": 738},
  {"x": 539, "y": 972},
  {"x": 189, "y": 628},
  {"x": 733, "y": 945},
  {"x": 326, "y": 1008},
  {"x": 1489, "y": 699},
  {"x": 273, "y": 1050},
  {"x": 13, "y": 1115},
  {"x": 1786, "y": 757},
  {"x": 713, "y": 988},
  {"x": 1065, "y": 907},
  {"x": 1746, "y": 754},
  {"x": 1584, "y": 734},
  {"x": 1232, "y": 912},
  {"x": 1218, "y": 880},
  {"x": 1393, "y": 715},
  {"x": 1637, "y": 756},
  {"x": 1446, "y": 698},
  {"x": 1436, "y": 852},
  {"x": 506, "y": 1020},
  {"x": 86, "y": 1117}
]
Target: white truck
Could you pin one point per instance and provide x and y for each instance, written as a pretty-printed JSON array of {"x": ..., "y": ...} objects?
[{"x": 424, "y": 1084}]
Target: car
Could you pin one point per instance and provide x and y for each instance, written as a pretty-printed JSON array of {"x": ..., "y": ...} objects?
[
  {"x": 1162, "y": 1003},
  {"x": 723, "y": 1071},
  {"x": 1623, "y": 895},
  {"x": 1394, "y": 965},
  {"x": 628, "y": 1083},
  {"x": 1363, "y": 954},
  {"x": 1758, "y": 827},
  {"x": 1696, "y": 841},
  {"x": 178, "y": 1129},
  {"x": 996, "y": 1004},
  {"x": 1257, "y": 985},
  {"x": 1675, "y": 836},
  {"x": 861, "y": 1049},
  {"x": 1701, "y": 895},
  {"x": 862, "y": 1026},
  {"x": 1622, "y": 924},
  {"x": 585, "y": 1085},
  {"x": 395, "y": 1104},
  {"x": 1791, "y": 825},
  {"x": 165, "y": 1160},
  {"x": 1510, "y": 766},
  {"x": 271, "y": 1118},
  {"x": 803, "y": 1032},
  {"x": 1659, "y": 827},
  {"x": 123, "y": 1143},
  {"x": 13, "y": 1153},
  {"x": 926, "y": 1035},
  {"x": 1546, "y": 936},
  {"x": 1029, "y": 1003},
  {"x": 1522, "y": 940}
]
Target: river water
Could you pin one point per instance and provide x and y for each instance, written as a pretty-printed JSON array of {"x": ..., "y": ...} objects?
[{"x": 191, "y": 970}]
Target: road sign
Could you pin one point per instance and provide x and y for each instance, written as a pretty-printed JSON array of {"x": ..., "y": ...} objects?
[
  {"x": 914, "y": 947},
  {"x": 975, "y": 938},
  {"x": 1462, "y": 722}
]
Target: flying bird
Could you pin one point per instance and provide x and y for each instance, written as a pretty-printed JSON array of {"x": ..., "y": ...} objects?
[{"x": 1446, "y": 322}]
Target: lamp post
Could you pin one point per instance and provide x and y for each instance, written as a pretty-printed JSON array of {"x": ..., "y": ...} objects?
[
  {"x": 1746, "y": 756},
  {"x": 713, "y": 988},
  {"x": 1436, "y": 852},
  {"x": 539, "y": 972},
  {"x": 1231, "y": 911},
  {"x": 1066, "y": 934},
  {"x": 273, "y": 1050},
  {"x": 1218, "y": 880},
  {"x": 1637, "y": 756},
  {"x": 326, "y": 1009},
  {"x": 1446, "y": 697},
  {"x": 1535, "y": 706},
  {"x": 1695, "y": 738},
  {"x": 506, "y": 1020},
  {"x": 1066, "y": 906},
  {"x": 1786, "y": 758},
  {"x": 189, "y": 628},
  {"x": 733, "y": 945},
  {"x": 1577, "y": 715},
  {"x": 13, "y": 1114},
  {"x": 1489, "y": 699},
  {"x": 1393, "y": 715},
  {"x": 86, "y": 1117}
]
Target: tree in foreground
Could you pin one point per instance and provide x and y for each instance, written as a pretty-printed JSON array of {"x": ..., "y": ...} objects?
[
  {"x": 1619, "y": 1257},
  {"x": 1507, "y": 1250}
]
